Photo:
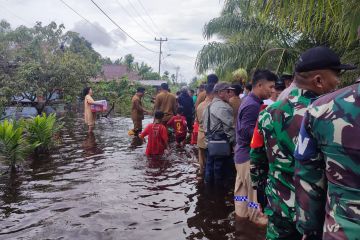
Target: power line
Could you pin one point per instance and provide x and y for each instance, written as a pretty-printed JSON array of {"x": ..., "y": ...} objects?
[
  {"x": 151, "y": 19},
  {"x": 128, "y": 13},
  {"x": 18, "y": 17},
  {"x": 136, "y": 12},
  {"x": 82, "y": 16},
  {"x": 95, "y": 26},
  {"x": 121, "y": 28}
]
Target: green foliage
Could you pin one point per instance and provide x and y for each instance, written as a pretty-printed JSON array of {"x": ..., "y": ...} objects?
[
  {"x": 43, "y": 129},
  {"x": 335, "y": 20},
  {"x": 44, "y": 60},
  {"x": 271, "y": 34},
  {"x": 14, "y": 147},
  {"x": 240, "y": 75},
  {"x": 129, "y": 61}
]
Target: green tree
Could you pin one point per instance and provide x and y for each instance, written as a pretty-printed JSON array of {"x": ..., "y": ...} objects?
[
  {"x": 142, "y": 69},
  {"x": 106, "y": 60},
  {"x": 246, "y": 36},
  {"x": 173, "y": 78},
  {"x": 118, "y": 61},
  {"x": 129, "y": 61},
  {"x": 46, "y": 60},
  {"x": 151, "y": 76},
  {"x": 165, "y": 76},
  {"x": 336, "y": 20},
  {"x": 252, "y": 37}
]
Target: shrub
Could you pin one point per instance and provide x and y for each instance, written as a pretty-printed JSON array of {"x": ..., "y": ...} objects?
[
  {"x": 14, "y": 147},
  {"x": 43, "y": 129}
]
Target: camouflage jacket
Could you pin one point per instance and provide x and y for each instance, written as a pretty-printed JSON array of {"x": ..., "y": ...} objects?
[
  {"x": 279, "y": 124},
  {"x": 328, "y": 167}
]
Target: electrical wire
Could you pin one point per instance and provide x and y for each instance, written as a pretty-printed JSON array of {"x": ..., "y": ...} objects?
[
  {"x": 117, "y": 25},
  {"x": 18, "y": 17},
  {"x": 151, "y": 19},
  {"x": 136, "y": 12},
  {"x": 95, "y": 26},
  {"x": 134, "y": 19}
]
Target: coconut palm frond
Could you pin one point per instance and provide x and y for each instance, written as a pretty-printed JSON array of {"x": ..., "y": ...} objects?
[{"x": 337, "y": 18}]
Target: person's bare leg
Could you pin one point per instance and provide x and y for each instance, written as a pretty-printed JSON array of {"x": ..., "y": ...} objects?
[{"x": 91, "y": 128}]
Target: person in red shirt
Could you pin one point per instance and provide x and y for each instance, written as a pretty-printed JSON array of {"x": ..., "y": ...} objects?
[
  {"x": 157, "y": 136},
  {"x": 178, "y": 123}
]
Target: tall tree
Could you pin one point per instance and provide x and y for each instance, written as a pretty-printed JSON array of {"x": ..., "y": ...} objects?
[
  {"x": 252, "y": 35},
  {"x": 46, "y": 60},
  {"x": 129, "y": 61}
]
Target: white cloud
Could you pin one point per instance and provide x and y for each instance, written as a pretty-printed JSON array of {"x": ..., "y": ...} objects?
[{"x": 173, "y": 18}]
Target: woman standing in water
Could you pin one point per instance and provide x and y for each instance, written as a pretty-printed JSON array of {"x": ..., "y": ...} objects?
[{"x": 89, "y": 116}]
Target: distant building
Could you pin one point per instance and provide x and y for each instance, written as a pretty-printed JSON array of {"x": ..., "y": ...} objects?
[
  {"x": 112, "y": 72},
  {"x": 153, "y": 83}
]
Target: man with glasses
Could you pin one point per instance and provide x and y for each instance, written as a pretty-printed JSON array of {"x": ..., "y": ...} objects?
[
  {"x": 219, "y": 170},
  {"x": 316, "y": 73}
]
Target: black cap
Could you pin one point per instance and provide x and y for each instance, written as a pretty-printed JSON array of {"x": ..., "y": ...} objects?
[
  {"x": 222, "y": 86},
  {"x": 319, "y": 58},
  {"x": 164, "y": 86},
  {"x": 280, "y": 84},
  {"x": 285, "y": 77},
  {"x": 212, "y": 78},
  {"x": 140, "y": 89}
]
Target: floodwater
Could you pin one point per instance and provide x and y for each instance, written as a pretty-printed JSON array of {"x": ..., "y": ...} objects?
[{"x": 96, "y": 187}]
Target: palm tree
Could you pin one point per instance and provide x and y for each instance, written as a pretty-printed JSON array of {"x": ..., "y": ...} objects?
[
  {"x": 271, "y": 34},
  {"x": 337, "y": 20},
  {"x": 245, "y": 37}
]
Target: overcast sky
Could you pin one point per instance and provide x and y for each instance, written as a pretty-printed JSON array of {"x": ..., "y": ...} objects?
[{"x": 181, "y": 21}]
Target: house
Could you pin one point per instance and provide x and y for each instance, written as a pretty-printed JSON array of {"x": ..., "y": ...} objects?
[
  {"x": 111, "y": 72},
  {"x": 153, "y": 83}
]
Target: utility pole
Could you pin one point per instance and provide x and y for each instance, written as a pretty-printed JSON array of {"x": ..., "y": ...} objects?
[
  {"x": 160, "y": 41},
  {"x": 177, "y": 73}
]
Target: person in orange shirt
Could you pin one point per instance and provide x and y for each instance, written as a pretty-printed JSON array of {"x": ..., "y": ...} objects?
[
  {"x": 137, "y": 110},
  {"x": 165, "y": 102},
  {"x": 157, "y": 136},
  {"x": 89, "y": 116},
  {"x": 178, "y": 123}
]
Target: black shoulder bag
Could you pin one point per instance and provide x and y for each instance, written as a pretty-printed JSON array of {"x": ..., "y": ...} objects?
[{"x": 218, "y": 144}]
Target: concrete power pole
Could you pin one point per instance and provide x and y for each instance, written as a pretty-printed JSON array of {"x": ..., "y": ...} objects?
[
  {"x": 160, "y": 41},
  {"x": 177, "y": 73}
]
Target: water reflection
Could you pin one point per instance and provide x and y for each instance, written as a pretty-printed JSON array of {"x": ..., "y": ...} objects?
[{"x": 90, "y": 147}]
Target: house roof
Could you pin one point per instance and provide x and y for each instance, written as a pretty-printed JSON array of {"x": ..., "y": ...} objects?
[
  {"x": 154, "y": 83},
  {"x": 113, "y": 71}
]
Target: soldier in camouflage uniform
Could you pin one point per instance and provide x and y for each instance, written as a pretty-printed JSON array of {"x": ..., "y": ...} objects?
[
  {"x": 327, "y": 160},
  {"x": 279, "y": 126}
]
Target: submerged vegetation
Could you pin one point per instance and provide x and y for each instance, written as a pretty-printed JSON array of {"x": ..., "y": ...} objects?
[
  {"x": 19, "y": 139},
  {"x": 43, "y": 130},
  {"x": 14, "y": 147}
]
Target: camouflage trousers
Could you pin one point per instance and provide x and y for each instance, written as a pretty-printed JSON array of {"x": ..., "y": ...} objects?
[{"x": 281, "y": 228}]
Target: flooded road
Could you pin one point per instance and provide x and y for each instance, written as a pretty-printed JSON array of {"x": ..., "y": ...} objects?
[{"x": 96, "y": 187}]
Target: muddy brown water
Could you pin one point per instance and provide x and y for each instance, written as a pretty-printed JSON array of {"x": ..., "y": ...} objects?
[{"x": 96, "y": 187}]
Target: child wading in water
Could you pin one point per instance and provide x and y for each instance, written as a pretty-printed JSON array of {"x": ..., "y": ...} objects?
[
  {"x": 157, "y": 137},
  {"x": 178, "y": 123}
]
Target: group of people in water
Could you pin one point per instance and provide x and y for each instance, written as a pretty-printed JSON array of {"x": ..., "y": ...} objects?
[{"x": 286, "y": 144}]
